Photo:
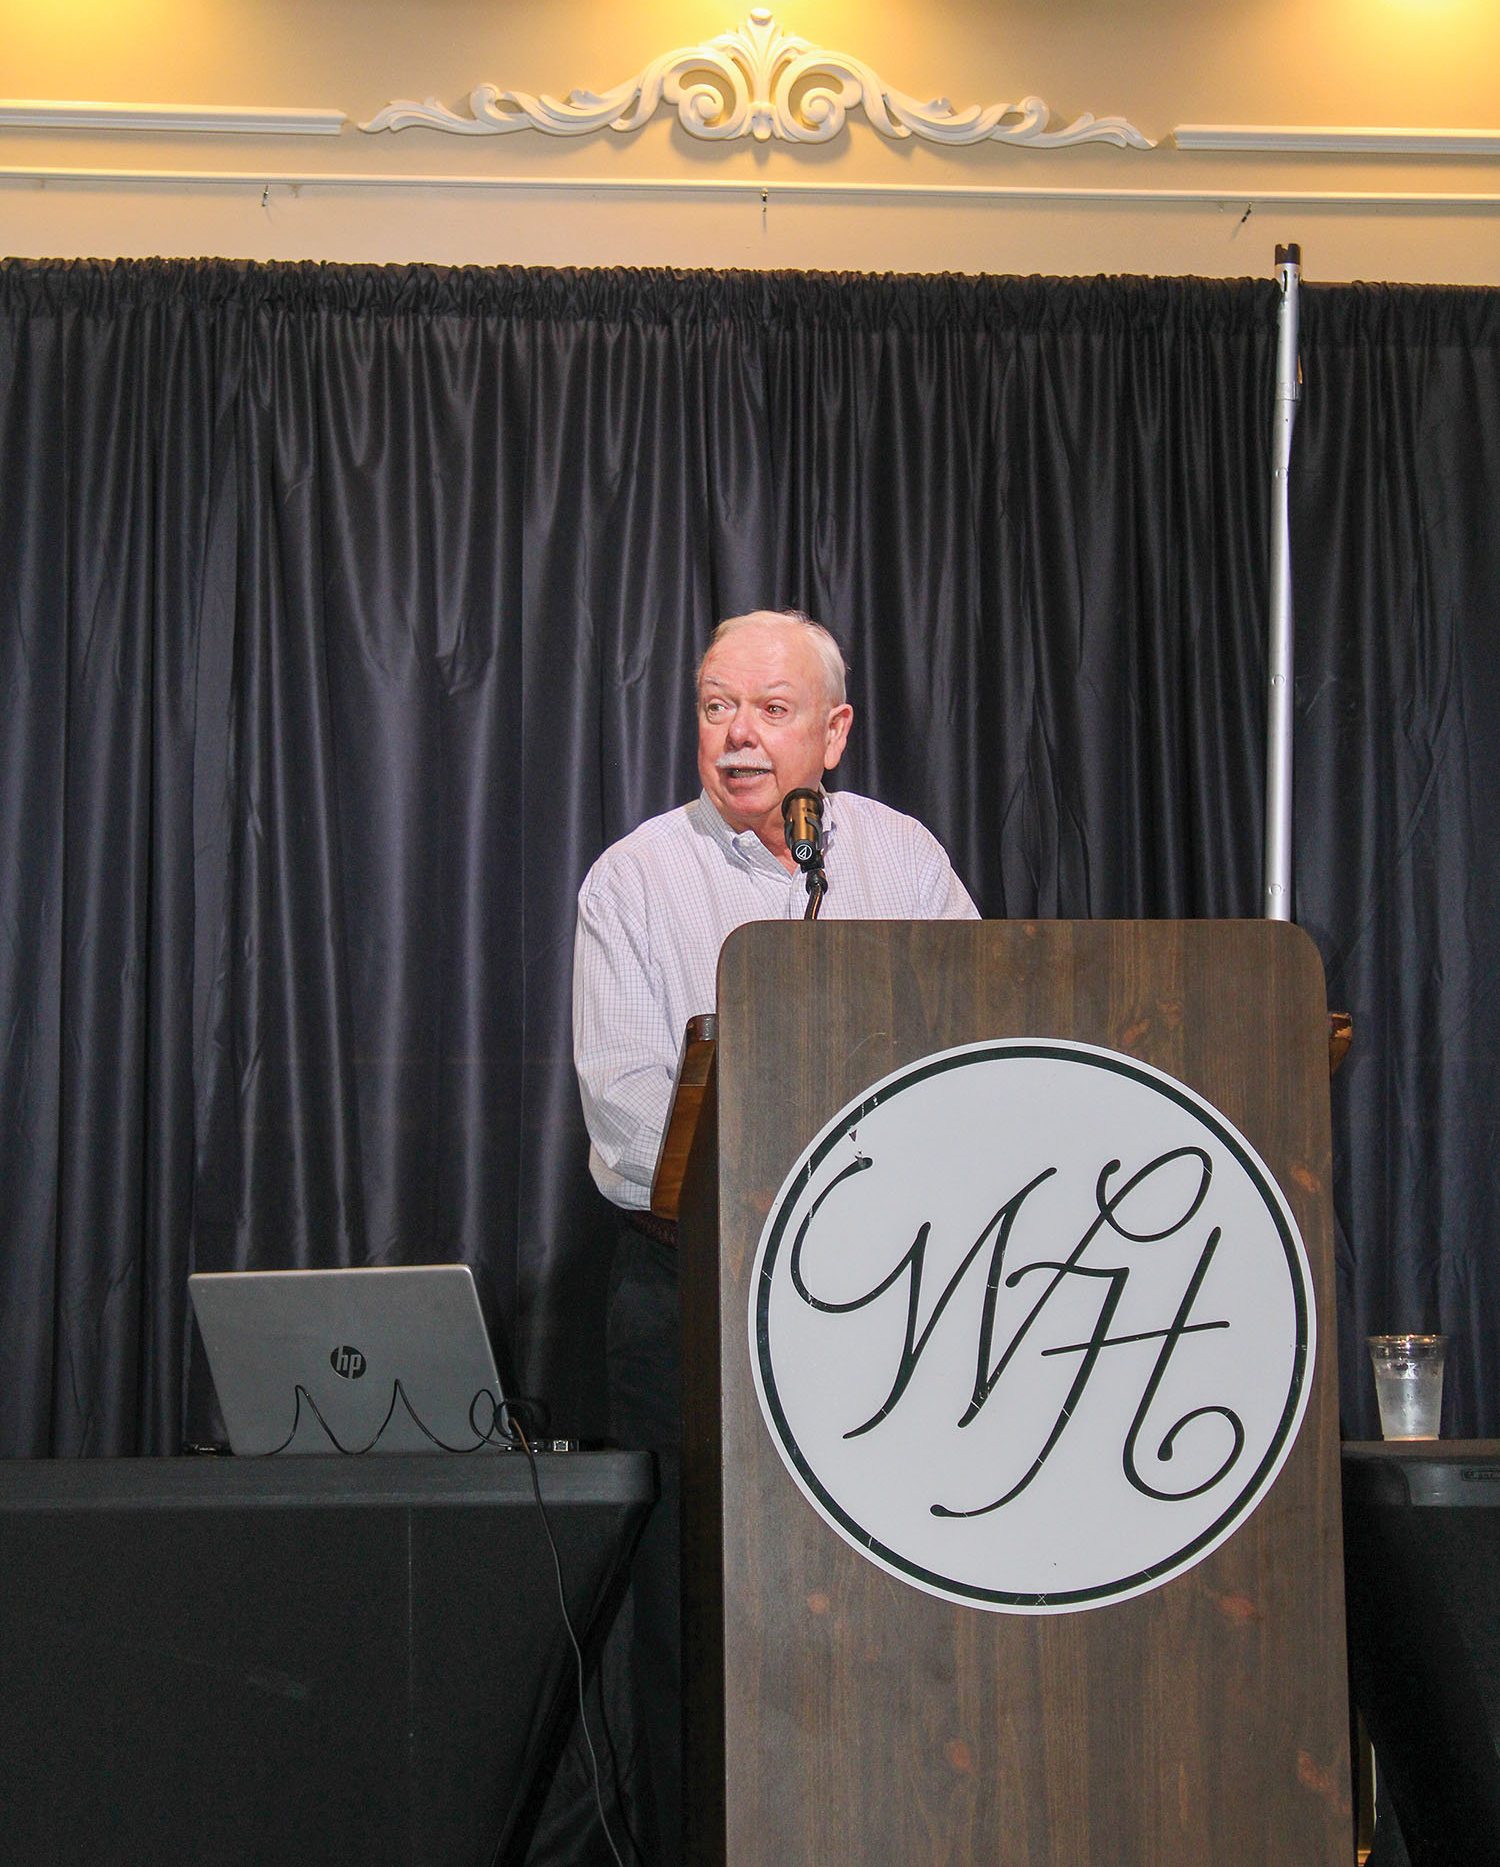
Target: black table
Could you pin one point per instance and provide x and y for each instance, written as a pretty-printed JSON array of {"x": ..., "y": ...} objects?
[
  {"x": 1422, "y": 1586},
  {"x": 327, "y": 1660}
]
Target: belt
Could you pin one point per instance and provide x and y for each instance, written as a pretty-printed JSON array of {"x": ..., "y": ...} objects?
[{"x": 664, "y": 1231}]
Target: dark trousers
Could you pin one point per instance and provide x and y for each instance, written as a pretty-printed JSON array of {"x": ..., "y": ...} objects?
[{"x": 645, "y": 1410}]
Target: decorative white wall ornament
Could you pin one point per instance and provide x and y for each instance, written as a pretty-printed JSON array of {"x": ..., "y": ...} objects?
[{"x": 759, "y": 81}]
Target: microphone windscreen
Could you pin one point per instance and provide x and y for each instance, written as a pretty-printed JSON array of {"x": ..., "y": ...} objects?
[{"x": 802, "y": 822}]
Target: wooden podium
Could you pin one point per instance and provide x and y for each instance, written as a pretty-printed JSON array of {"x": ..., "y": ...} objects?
[{"x": 835, "y": 1712}]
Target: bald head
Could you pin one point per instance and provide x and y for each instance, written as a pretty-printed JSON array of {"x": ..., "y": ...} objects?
[{"x": 830, "y": 657}]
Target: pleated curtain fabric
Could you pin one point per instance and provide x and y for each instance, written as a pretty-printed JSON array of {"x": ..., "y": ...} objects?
[{"x": 347, "y": 613}]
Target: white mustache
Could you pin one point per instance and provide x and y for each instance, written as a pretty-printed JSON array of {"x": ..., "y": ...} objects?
[{"x": 730, "y": 761}]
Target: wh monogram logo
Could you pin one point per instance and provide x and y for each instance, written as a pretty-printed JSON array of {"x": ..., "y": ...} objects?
[
  {"x": 348, "y": 1362},
  {"x": 1032, "y": 1326}
]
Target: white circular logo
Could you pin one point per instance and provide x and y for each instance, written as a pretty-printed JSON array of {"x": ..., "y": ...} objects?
[{"x": 1032, "y": 1326}]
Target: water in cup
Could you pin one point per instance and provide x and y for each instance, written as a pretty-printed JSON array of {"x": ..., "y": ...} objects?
[{"x": 1408, "y": 1384}]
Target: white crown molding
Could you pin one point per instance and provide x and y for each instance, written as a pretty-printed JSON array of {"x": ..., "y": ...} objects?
[
  {"x": 756, "y": 81},
  {"x": 21, "y": 113},
  {"x": 765, "y": 193},
  {"x": 1309, "y": 139}
]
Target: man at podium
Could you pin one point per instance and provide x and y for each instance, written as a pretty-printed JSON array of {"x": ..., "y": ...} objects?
[{"x": 652, "y": 914}]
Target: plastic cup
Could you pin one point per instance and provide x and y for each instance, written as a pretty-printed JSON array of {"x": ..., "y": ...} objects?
[{"x": 1409, "y": 1384}]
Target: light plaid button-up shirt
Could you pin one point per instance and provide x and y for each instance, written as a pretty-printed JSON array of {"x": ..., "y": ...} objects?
[{"x": 654, "y": 911}]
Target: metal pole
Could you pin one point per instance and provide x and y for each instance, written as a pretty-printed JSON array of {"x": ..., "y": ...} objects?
[{"x": 1277, "y": 895}]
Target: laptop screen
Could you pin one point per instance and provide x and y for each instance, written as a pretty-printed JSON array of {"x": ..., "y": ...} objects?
[{"x": 381, "y": 1358}]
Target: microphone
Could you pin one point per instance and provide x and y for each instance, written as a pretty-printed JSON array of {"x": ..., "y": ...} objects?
[{"x": 802, "y": 821}]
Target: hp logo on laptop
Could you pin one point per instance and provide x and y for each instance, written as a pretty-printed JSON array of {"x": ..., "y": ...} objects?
[{"x": 348, "y": 1362}]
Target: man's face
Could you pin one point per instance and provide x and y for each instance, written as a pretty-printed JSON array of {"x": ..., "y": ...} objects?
[{"x": 765, "y": 726}]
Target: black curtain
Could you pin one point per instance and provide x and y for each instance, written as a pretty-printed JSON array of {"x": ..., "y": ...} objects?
[
  {"x": 346, "y": 613},
  {"x": 1397, "y": 555}
]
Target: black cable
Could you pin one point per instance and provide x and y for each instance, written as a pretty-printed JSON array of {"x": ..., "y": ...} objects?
[
  {"x": 483, "y": 1437},
  {"x": 504, "y": 1430},
  {"x": 562, "y": 1602}
]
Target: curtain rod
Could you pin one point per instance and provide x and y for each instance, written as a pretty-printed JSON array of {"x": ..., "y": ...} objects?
[{"x": 762, "y": 191}]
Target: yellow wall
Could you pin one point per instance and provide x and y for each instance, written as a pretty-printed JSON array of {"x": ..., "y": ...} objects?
[{"x": 1410, "y": 64}]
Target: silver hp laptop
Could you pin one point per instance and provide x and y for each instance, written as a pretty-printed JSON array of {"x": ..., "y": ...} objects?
[{"x": 384, "y": 1358}]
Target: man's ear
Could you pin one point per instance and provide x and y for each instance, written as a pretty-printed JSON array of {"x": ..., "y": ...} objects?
[{"x": 840, "y": 719}]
